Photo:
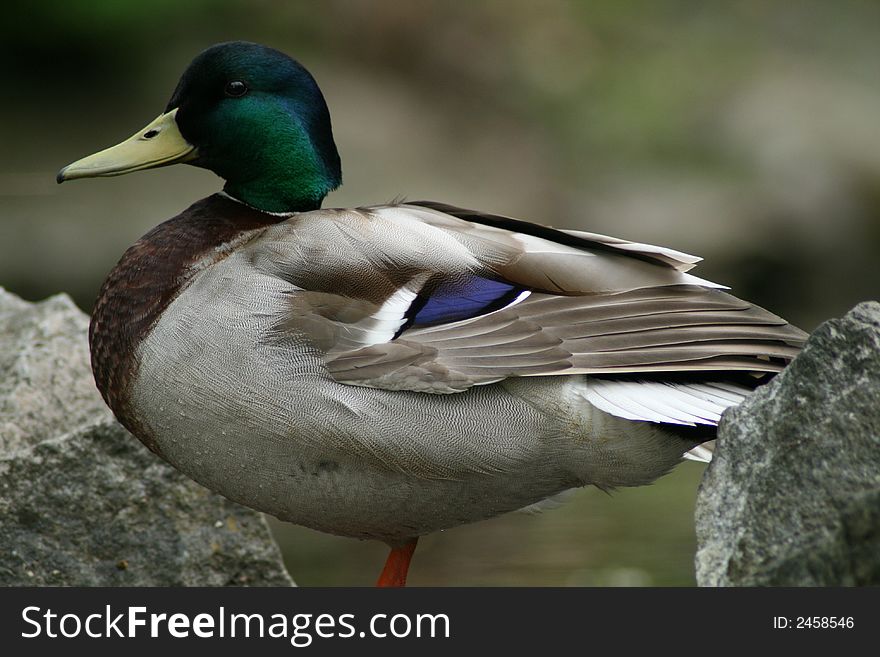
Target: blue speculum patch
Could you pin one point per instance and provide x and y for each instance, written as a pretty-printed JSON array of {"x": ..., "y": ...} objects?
[{"x": 455, "y": 302}]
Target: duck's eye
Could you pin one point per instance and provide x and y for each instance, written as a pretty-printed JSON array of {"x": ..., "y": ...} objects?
[{"x": 236, "y": 89}]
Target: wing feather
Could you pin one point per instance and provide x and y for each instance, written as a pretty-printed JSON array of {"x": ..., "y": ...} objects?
[
  {"x": 571, "y": 303},
  {"x": 661, "y": 401}
]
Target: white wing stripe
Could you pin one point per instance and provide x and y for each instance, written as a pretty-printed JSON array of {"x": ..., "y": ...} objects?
[
  {"x": 710, "y": 392},
  {"x": 655, "y": 397},
  {"x": 666, "y": 402},
  {"x": 597, "y": 399},
  {"x": 699, "y": 454},
  {"x": 626, "y": 396},
  {"x": 698, "y": 408},
  {"x": 390, "y": 316}
]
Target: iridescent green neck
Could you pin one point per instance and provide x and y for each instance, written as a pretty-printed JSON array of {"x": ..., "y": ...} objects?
[
  {"x": 273, "y": 155},
  {"x": 287, "y": 173}
]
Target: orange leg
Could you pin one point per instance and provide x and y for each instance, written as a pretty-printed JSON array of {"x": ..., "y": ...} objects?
[{"x": 397, "y": 565}]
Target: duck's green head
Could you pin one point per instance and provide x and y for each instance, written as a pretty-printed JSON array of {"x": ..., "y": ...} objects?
[{"x": 249, "y": 113}]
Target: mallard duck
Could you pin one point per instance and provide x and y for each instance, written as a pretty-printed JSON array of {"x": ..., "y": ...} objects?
[{"x": 389, "y": 371}]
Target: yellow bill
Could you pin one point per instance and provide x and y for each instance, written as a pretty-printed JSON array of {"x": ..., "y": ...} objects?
[{"x": 157, "y": 144}]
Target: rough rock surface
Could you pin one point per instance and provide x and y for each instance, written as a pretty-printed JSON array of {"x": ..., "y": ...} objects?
[
  {"x": 82, "y": 502},
  {"x": 792, "y": 496},
  {"x": 46, "y": 386}
]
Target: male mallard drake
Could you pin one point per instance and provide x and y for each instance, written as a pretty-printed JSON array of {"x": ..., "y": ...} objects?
[{"x": 385, "y": 372}]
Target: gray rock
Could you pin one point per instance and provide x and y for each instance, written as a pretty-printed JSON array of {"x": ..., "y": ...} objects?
[
  {"x": 792, "y": 496},
  {"x": 46, "y": 385},
  {"x": 82, "y": 502},
  {"x": 96, "y": 508}
]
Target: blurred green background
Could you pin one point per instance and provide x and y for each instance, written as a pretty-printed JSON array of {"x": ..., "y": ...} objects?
[{"x": 747, "y": 132}]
